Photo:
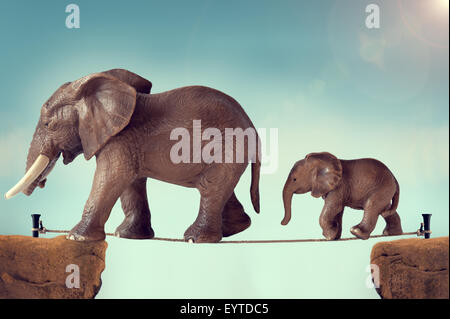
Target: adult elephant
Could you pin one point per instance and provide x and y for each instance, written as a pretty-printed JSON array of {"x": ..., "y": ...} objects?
[
  {"x": 360, "y": 184},
  {"x": 113, "y": 116}
]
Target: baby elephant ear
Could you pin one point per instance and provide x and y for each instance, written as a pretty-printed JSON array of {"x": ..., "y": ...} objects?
[
  {"x": 105, "y": 106},
  {"x": 140, "y": 84},
  {"x": 327, "y": 173}
]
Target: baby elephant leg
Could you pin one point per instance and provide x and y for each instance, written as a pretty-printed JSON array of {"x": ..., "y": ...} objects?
[
  {"x": 338, "y": 223},
  {"x": 234, "y": 219},
  {"x": 136, "y": 224},
  {"x": 393, "y": 225},
  {"x": 331, "y": 221},
  {"x": 371, "y": 212}
]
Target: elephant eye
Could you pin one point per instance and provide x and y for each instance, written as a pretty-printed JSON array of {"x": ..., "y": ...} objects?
[
  {"x": 295, "y": 179},
  {"x": 51, "y": 125}
]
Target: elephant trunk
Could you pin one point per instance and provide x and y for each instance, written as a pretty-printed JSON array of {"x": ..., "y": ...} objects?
[
  {"x": 31, "y": 178},
  {"x": 41, "y": 147},
  {"x": 39, "y": 164},
  {"x": 287, "y": 201}
]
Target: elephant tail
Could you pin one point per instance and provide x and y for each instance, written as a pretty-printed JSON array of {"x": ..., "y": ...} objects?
[
  {"x": 254, "y": 188},
  {"x": 395, "y": 200}
]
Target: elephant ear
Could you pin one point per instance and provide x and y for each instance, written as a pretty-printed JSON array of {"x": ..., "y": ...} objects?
[
  {"x": 327, "y": 172},
  {"x": 105, "y": 106},
  {"x": 140, "y": 84}
]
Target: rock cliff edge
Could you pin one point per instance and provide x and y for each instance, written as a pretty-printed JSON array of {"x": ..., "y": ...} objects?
[
  {"x": 412, "y": 268},
  {"x": 50, "y": 268}
]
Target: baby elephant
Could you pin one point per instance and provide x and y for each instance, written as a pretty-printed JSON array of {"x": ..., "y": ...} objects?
[{"x": 360, "y": 184}]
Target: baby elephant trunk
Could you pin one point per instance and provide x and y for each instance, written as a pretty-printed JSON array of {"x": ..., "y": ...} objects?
[{"x": 287, "y": 201}]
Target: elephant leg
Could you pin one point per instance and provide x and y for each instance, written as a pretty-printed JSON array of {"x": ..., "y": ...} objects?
[
  {"x": 234, "y": 219},
  {"x": 113, "y": 175},
  {"x": 137, "y": 222},
  {"x": 215, "y": 187},
  {"x": 393, "y": 225},
  {"x": 331, "y": 220},
  {"x": 338, "y": 223},
  {"x": 369, "y": 221}
]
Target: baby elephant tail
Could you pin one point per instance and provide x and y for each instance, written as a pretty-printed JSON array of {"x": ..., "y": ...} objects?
[
  {"x": 254, "y": 188},
  {"x": 395, "y": 201}
]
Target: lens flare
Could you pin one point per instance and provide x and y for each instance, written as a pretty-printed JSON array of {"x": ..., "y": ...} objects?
[{"x": 419, "y": 21}]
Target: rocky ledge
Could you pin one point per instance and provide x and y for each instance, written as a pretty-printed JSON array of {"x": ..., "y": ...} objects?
[
  {"x": 50, "y": 268},
  {"x": 412, "y": 268}
]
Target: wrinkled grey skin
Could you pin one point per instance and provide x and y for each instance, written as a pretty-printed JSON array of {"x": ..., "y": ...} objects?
[
  {"x": 112, "y": 115},
  {"x": 365, "y": 184}
]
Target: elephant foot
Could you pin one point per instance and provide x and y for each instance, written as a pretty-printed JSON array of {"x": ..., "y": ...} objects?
[
  {"x": 231, "y": 226},
  {"x": 198, "y": 234},
  {"x": 82, "y": 233},
  {"x": 356, "y": 230},
  {"x": 391, "y": 231},
  {"x": 331, "y": 234},
  {"x": 393, "y": 225},
  {"x": 332, "y": 230},
  {"x": 133, "y": 228}
]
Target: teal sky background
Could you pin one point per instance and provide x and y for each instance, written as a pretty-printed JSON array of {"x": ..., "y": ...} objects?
[{"x": 309, "y": 68}]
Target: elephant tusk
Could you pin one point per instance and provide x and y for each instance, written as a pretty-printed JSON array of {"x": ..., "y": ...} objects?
[{"x": 30, "y": 176}]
